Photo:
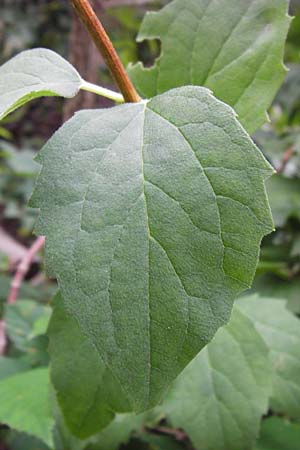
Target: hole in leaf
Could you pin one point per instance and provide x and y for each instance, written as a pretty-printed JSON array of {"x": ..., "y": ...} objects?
[{"x": 148, "y": 51}]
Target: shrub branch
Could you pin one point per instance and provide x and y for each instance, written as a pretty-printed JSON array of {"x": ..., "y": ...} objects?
[{"x": 93, "y": 25}]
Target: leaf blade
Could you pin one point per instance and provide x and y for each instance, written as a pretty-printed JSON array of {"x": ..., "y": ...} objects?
[
  {"x": 240, "y": 64},
  {"x": 281, "y": 331},
  {"x": 126, "y": 230},
  {"x": 86, "y": 391},
  {"x": 219, "y": 400},
  {"x": 35, "y": 73}
]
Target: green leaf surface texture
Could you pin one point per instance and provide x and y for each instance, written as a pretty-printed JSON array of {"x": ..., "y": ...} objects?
[
  {"x": 235, "y": 48},
  {"x": 281, "y": 331},
  {"x": 221, "y": 395},
  {"x": 87, "y": 392},
  {"x": 25, "y": 404},
  {"x": 142, "y": 207},
  {"x": 35, "y": 73}
]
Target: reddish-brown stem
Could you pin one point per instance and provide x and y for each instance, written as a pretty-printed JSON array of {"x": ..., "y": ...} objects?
[
  {"x": 23, "y": 267},
  {"x": 285, "y": 159},
  {"x": 107, "y": 4},
  {"x": 177, "y": 433},
  {"x": 3, "y": 340},
  {"x": 97, "y": 32}
]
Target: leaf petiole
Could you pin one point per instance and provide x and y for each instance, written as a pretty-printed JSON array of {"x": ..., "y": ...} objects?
[
  {"x": 99, "y": 90},
  {"x": 94, "y": 27}
]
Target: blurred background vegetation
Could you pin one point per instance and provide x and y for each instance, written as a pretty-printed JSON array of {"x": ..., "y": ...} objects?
[{"x": 51, "y": 23}]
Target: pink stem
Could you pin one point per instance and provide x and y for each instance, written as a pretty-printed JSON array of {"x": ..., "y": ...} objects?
[
  {"x": 23, "y": 268},
  {"x": 2, "y": 337}
]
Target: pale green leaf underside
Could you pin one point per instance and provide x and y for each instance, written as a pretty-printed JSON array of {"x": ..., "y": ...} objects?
[
  {"x": 220, "y": 397},
  {"x": 25, "y": 404},
  {"x": 142, "y": 207},
  {"x": 233, "y": 47},
  {"x": 35, "y": 73},
  {"x": 281, "y": 331}
]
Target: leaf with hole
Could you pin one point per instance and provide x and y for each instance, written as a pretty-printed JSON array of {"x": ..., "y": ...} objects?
[{"x": 235, "y": 48}]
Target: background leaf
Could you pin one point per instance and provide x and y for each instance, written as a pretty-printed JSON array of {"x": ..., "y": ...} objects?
[
  {"x": 235, "y": 48},
  {"x": 21, "y": 318},
  {"x": 23, "y": 441},
  {"x": 281, "y": 331},
  {"x": 25, "y": 404},
  {"x": 278, "y": 433},
  {"x": 220, "y": 397},
  {"x": 11, "y": 366},
  {"x": 270, "y": 286},
  {"x": 284, "y": 196},
  {"x": 117, "y": 433},
  {"x": 35, "y": 73}
]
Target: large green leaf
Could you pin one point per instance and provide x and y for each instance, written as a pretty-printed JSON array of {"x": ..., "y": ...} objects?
[
  {"x": 25, "y": 404},
  {"x": 233, "y": 47},
  {"x": 281, "y": 332},
  {"x": 220, "y": 397},
  {"x": 142, "y": 207},
  {"x": 35, "y": 73}
]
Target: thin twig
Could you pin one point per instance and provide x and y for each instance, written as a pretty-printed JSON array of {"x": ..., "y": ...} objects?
[
  {"x": 178, "y": 434},
  {"x": 285, "y": 159},
  {"x": 23, "y": 269},
  {"x": 3, "y": 339},
  {"x": 104, "y": 45},
  {"x": 107, "y": 4}
]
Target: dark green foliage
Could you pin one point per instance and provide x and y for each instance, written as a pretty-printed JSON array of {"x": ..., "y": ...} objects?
[{"x": 154, "y": 213}]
